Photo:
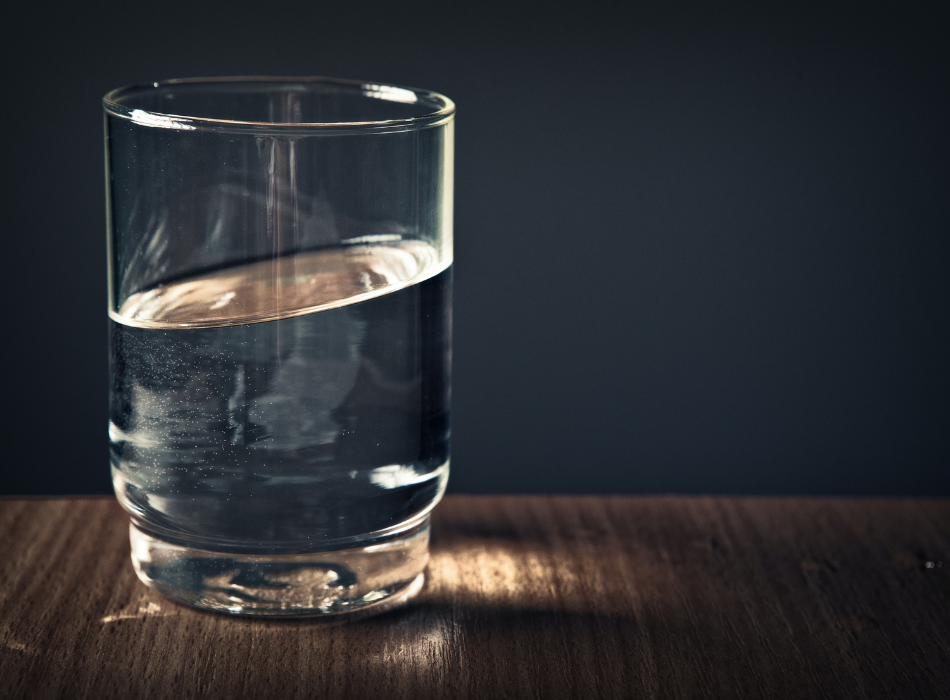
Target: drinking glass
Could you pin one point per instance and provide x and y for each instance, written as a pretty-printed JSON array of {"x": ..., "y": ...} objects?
[{"x": 280, "y": 255}]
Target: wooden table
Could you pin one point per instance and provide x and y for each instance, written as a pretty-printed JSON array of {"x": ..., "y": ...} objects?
[{"x": 525, "y": 597}]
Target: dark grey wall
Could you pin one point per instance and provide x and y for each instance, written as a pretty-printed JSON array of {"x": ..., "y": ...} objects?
[{"x": 699, "y": 248}]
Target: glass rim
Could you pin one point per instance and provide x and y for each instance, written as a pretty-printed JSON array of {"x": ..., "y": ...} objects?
[{"x": 444, "y": 108}]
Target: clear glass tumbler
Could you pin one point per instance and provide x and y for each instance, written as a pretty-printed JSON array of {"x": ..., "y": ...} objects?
[{"x": 280, "y": 255}]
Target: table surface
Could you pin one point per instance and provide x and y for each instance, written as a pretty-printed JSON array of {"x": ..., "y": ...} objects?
[{"x": 525, "y": 597}]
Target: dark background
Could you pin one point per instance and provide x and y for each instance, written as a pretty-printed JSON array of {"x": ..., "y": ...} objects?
[{"x": 700, "y": 248}]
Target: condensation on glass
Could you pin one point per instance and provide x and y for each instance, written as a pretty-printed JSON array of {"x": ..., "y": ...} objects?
[{"x": 280, "y": 281}]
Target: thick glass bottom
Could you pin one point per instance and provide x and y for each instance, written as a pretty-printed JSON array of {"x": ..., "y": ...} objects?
[{"x": 370, "y": 579}]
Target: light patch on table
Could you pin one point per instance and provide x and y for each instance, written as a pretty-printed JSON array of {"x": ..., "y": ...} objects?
[
  {"x": 489, "y": 573},
  {"x": 481, "y": 571},
  {"x": 137, "y": 611},
  {"x": 422, "y": 648},
  {"x": 14, "y": 645}
]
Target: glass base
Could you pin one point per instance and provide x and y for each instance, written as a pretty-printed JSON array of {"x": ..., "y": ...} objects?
[{"x": 371, "y": 578}]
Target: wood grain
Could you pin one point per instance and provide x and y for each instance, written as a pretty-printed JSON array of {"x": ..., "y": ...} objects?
[{"x": 526, "y": 597}]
